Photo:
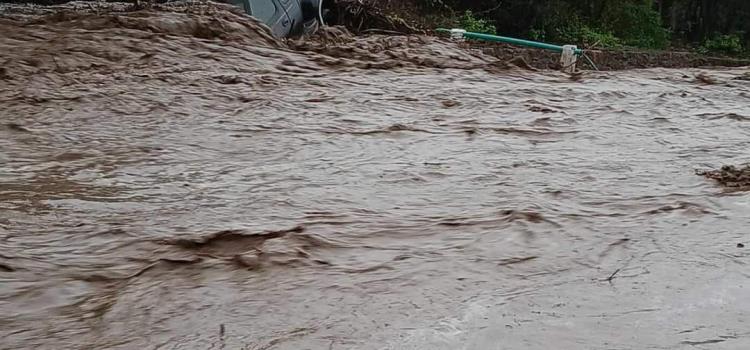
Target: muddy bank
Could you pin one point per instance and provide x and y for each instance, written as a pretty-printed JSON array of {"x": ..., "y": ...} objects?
[
  {"x": 409, "y": 17},
  {"x": 199, "y": 23},
  {"x": 610, "y": 59},
  {"x": 365, "y": 18},
  {"x": 338, "y": 46}
]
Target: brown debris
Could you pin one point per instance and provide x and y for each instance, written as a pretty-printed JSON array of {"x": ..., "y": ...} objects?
[
  {"x": 530, "y": 216},
  {"x": 363, "y": 15},
  {"x": 541, "y": 109},
  {"x": 730, "y": 176},
  {"x": 690, "y": 208},
  {"x": 511, "y": 261},
  {"x": 254, "y": 251},
  {"x": 231, "y": 238},
  {"x": 450, "y": 103},
  {"x": 16, "y": 127},
  {"x": 6, "y": 268},
  {"x": 705, "y": 79}
]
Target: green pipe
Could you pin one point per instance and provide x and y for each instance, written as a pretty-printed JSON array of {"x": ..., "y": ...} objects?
[{"x": 514, "y": 41}]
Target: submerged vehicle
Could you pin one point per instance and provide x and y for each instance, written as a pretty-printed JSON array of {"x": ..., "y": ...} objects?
[{"x": 285, "y": 17}]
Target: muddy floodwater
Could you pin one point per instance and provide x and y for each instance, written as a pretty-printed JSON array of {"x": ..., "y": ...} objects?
[{"x": 184, "y": 181}]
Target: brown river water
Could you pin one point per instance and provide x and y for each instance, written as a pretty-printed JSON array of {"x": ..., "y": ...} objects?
[{"x": 184, "y": 181}]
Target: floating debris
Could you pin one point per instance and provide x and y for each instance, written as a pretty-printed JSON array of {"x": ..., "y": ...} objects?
[{"x": 730, "y": 176}]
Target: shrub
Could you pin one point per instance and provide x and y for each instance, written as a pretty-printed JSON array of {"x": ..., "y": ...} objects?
[
  {"x": 577, "y": 33},
  {"x": 585, "y": 36},
  {"x": 561, "y": 23},
  {"x": 636, "y": 24},
  {"x": 477, "y": 25},
  {"x": 727, "y": 44}
]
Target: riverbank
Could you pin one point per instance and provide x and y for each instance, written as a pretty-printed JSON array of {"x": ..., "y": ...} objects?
[
  {"x": 364, "y": 18},
  {"x": 610, "y": 60},
  {"x": 407, "y": 17}
]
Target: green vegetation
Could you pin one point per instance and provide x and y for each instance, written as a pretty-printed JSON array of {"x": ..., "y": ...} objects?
[
  {"x": 575, "y": 32},
  {"x": 730, "y": 44},
  {"x": 638, "y": 25},
  {"x": 473, "y": 24},
  {"x": 711, "y": 26}
]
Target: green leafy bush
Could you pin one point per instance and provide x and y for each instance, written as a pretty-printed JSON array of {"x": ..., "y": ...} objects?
[
  {"x": 636, "y": 24},
  {"x": 561, "y": 23},
  {"x": 589, "y": 37},
  {"x": 577, "y": 33},
  {"x": 585, "y": 36},
  {"x": 727, "y": 44},
  {"x": 537, "y": 34},
  {"x": 477, "y": 25}
]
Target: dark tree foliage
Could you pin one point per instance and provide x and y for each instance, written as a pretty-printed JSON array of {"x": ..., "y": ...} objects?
[
  {"x": 642, "y": 23},
  {"x": 712, "y": 25}
]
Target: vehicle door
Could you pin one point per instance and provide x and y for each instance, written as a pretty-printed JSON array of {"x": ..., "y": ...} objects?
[{"x": 273, "y": 14}]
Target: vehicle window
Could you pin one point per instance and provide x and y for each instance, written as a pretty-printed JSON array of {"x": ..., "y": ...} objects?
[
  {"x": 263, "y": 9},
  {"x": 239, "y": 3}
]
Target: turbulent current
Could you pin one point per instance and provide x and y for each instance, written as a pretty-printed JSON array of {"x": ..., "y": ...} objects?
[{"x": 182, "y": 180}]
